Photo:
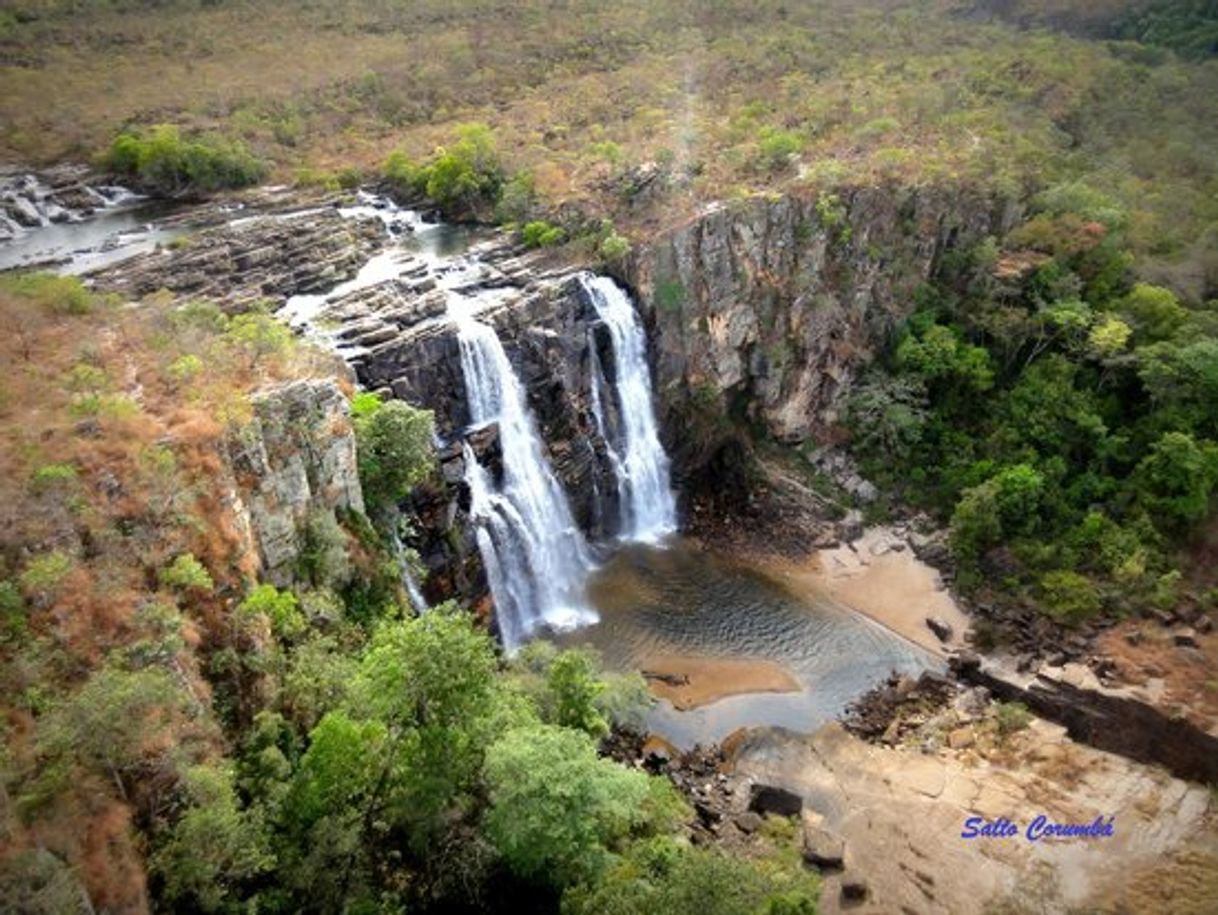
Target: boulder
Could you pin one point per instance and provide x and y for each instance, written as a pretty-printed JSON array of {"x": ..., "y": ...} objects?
[
  {"x": 748, "y": 822},
  {"x": 854, "y": 888},
  {"x": 1185, "y": 638},
  {"x": 772, "y": 799},
  {"x": 961, "y": 738},
  {"x": 942, "y": 629},
  {"x": 822, "y": 849}
]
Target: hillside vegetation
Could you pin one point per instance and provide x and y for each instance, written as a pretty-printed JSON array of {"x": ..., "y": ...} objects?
[
  {"x": 725, "y": 98},
  {"x": 180, "y": 736}
]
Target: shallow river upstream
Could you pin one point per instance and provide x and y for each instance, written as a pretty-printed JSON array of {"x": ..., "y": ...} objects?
[{"x": 681, "y": 601}]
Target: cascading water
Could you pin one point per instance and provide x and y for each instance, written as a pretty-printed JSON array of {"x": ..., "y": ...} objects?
[
  {"x": 648, "y": 510},
  {"x": 535, "y": 556},
  {"x": 409, "y": 584}
]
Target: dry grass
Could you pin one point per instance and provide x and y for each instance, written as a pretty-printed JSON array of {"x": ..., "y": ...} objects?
[
  {"x": 579, "y": 93},
  {"x": 116, "y": 486}
]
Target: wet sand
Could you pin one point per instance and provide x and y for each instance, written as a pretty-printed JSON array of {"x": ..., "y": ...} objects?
[
  {"x": 689, "y": 681},
  {"x": 879, "y": 576}
]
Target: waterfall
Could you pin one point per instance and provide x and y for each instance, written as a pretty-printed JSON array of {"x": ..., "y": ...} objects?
[
  {"x": 648, "y": 510},
  {"x": 535, "y": 556},
  {"x": 417, "y": 600}
]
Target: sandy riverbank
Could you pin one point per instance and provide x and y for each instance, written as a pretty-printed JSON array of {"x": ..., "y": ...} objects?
[
  {"x": 689, "y": 681},
  {"x": 879, "y": 576}
]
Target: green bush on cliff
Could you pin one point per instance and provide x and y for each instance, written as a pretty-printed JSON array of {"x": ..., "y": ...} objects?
[
  {"x": 540, "y": 234},
  {"x": 161, "y": 161},
  {"x": 64, "y": 295},
  {"x": 667, "y": 875},
  {"x": 394, "y": 447}
]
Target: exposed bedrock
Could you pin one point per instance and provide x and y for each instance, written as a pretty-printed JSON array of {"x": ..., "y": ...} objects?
[
  {"x": 764, "y": 310},
  {"x": 557, "y": 344},
  {"x": 1109, "y": 719},
  {"x": 266, "y": 257}
]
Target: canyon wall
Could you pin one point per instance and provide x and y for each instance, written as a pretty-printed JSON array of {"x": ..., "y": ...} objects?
[
  {"x": 292, "y": 465},
  {"x": 765, "y": 309}
]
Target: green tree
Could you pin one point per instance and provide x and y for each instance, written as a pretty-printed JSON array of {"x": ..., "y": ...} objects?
[
  {"x": 1018, "y": 493},
  {"x": 557, "y": 809},
  {"x": 394, "y": 447},
  {"x": 114, "y": 721},
  {"x": 260, "y": 335},
  {"x": 937, "y": 354},
  {"x": 279, "y": 607},
  {"x": 431, "y": 681},
  {"x": 1177, "y": 478},
  {"x": 887, "y": 415},
  {"x": 664, "y": 875},
  {"x": 318, "y": 678},
  {"x": 1153, "y": 311},
  {"x": 575, "y": 683},
  {"x": 214, "y": 847},
  {"x": 186, "y": 574},
  {"x": 339, "y": 772},
  {"x": 1069, "y": 596},
  {"x": 976, "y": 524}
]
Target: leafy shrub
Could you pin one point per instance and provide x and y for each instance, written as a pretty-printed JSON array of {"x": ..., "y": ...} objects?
[
  {"x": 65, "y": 295},
  {"x": 540, "y": 234},
  {"x": 394, "y": 448},
  {"x": 459, "y": 178},
  {"x": 316, "y": 178},
  {"x": 670, "y": 295},
  {"x": 161, "y": 161},
  {"x": 324, "y": 559},
  {"x": 1177, "y": 478},
  {"x": 777, "y": 147},
  {"x": 1069, "y": 596},
  {"x": 13, "y": 624},
  {"x": 213, "y": 847},
  {"x": 557, "y": 809},
  {"x": 1011, "y": 717},
  {"x": 663, "y": 875},
  {"x": 613, "y": 247},
  {"x": 280, "y": 607},
  {"x": 52, "y": 476},
  {"x": 186, "y": 573},
  {"x": 43, "y": 574},
  {"x": 200, "y": 316},
  {"x": 571, "y": 689},
  {"x": 260, "y": 335},
  {"x": 184, "y": 369}
]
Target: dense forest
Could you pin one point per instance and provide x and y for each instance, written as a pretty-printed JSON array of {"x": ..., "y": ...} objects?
[{"x": 179, "y": 731}]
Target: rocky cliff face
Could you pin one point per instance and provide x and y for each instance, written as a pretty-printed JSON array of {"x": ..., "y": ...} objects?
[
  {"x": 293, "y": 464},
  {"x": 554, "y": 340},
  {"x": 759, "y": 312},
  {"x": 769, "y": 307}
]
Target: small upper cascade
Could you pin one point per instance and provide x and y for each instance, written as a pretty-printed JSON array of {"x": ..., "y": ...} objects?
[
  {"x": 417, "y": 601},
  {"x": 648, "y": 510},
  {"x": 535, "y": 555}
]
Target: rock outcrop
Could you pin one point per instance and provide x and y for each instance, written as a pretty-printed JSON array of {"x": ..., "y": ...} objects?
[
  {"x": 293, "y": 463},
  {"x": 1110, "y": 719},
  {"x": 62, "y": 194},
  {"x": 766, "y": 309},
  {"x": 267, "y": 257}
]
